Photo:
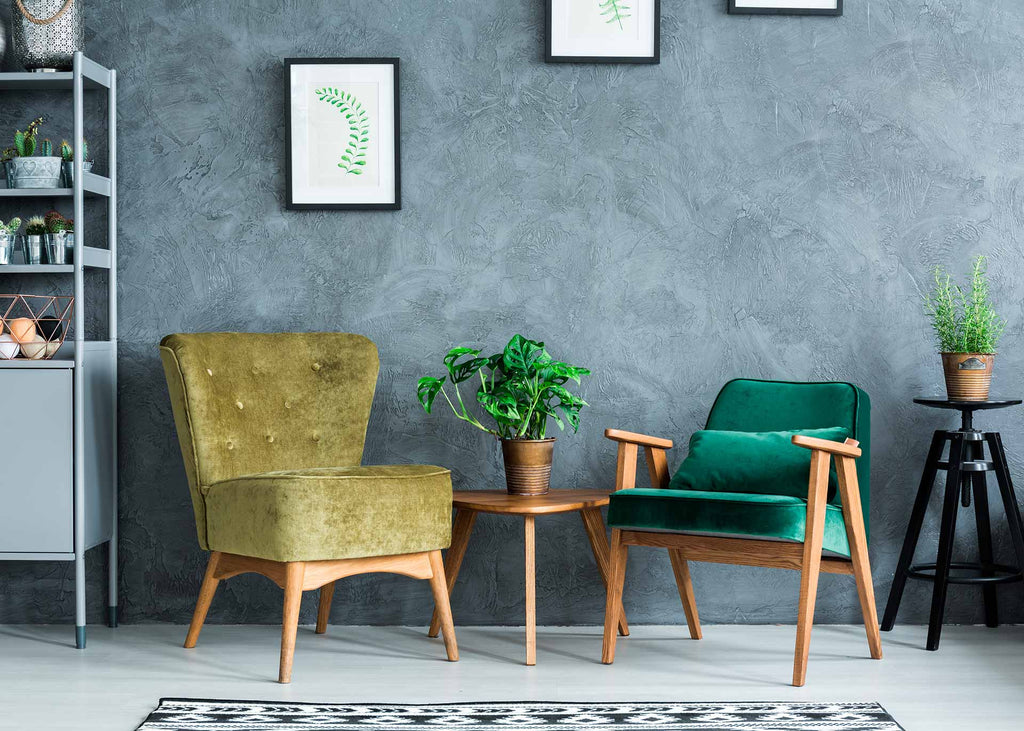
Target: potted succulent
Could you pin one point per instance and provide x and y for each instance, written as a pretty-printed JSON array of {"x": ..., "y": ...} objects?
[
  {"x": 25, "y": 168},
  {"x": 35, "y": 234},
  {"x": 520, "y": 389},
  {"x": 60, "y": 239},
  {"x": 7, "y": 235},
  {"x": 967, "y": 329},
  {"x": 67, "y": 156}
]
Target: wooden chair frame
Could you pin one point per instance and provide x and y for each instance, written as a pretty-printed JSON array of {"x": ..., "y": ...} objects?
[
  {"x": 296, "y": 577},
  {"x": 805, "y": 558}
]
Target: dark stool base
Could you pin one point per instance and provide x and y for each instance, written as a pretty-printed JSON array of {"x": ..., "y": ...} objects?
[{"x": 965, "y": 470}]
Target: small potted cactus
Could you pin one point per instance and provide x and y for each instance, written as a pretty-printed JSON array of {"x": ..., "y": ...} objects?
[
  {"x": 25, "y": 168},
  {"x": 8, "y": 231},
  {"x": 35, "y": 236},
  {"x": 67, "y": 156},
  {"x": 60, "y": 242}
]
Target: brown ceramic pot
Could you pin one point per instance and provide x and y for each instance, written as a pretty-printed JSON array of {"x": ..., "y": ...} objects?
[
  {"x": 968, "y": 375},
  {"x": 527, "y": 465}
]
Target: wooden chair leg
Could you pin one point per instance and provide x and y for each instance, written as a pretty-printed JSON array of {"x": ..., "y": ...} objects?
[
  {"x": 681, "y": 569},
  {"x": 442, "y": 607},
  {"x": 323, "y": 612},
  {"x": 817, "y": 497},
  {"x": 853, "y": 516},
  {"x": 594, "y": 526},
  {"x": 461, "y": 530},
  {"x": 206, "y": 592},
  {"x": 616, "y": 578},
  {"x": 294, "y": 574}
]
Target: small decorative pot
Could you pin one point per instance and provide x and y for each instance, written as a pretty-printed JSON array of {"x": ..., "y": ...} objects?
[
  {"x": 968, "y": 375},
  {"x": 33, "y": 248},
  {"x": 57, "y": 247},
  {"x": 6, "y": 248},
  {"x": 34, "y": 172},
  {"x": 68, "y": 172},
  {"x": 527, "y": 465}
]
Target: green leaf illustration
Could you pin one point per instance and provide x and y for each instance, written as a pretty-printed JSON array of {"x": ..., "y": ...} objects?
[
  {"x": 614, "y": 11},
  {"x": 353, "y": 159}
]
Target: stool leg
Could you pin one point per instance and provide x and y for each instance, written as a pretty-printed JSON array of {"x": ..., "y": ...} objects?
[
  {"x": 924, "y": 492},
  {"x": 947, "y": 533},
  {"x": 995, "y": 445},
  {"x": 985, "y": 553}
]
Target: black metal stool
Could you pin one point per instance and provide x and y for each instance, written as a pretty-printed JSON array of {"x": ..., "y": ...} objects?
[{"x": 965, "y": 468}]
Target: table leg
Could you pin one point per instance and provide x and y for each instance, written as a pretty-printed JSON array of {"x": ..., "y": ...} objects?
[
  {"x": 531, "y": 592},
  {"x": 461, "y": 529},
  {"x": 594, "y": 526}
]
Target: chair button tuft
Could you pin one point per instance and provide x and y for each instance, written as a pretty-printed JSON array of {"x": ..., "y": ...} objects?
[
  {"x": 209, "y": 371},
  {"x": 239, "y": 405},
  {"x": 316, "y": 366},
  {"x": 316, "y": 437},
  {"x": 270, "y": 438},
  {"x": 287, "y": 404},
  {"x": 231, "y": 445}
]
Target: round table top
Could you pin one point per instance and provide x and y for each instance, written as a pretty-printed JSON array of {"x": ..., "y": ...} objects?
[
  {"x": 941, "y": 403},
  {"x": 556, "y": 501}
]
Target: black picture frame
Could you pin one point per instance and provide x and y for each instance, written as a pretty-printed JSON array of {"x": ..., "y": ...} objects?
[
  {"x": 290, "y": 204},
  {"x": 733, "y": 10},
  {"x": 550, "y": 57}
]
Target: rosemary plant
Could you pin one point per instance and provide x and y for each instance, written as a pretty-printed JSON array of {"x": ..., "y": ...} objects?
[{"x": 964, "y": 321}]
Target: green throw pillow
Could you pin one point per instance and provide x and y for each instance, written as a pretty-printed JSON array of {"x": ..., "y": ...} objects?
[{"x": 765, "y": 463}]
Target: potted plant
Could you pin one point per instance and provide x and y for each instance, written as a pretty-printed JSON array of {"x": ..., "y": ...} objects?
[
  {"x": 520, "y": 389},
  {"x": 8, "y": 232},
  {"x": 67, "y": 156},
  {"x": 28, "y": 170},
  {"x": 967, "y": 329},
  {"x": 35, "y": 234},
  {"x": 59, "y": 241}
]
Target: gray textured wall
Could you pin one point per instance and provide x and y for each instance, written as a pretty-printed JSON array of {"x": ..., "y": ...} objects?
[{"x": 768, "y": 201}]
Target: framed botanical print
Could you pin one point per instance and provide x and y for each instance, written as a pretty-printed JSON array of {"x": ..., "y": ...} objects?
[
  {"x": 603, "y": 31},
  {"x": 342, "y": 134},
  {"x": 786, "y": 7}
]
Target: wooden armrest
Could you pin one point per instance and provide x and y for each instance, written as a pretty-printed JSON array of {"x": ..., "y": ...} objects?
[
  {"x": 848, "y": 448},
  {"x": 617, "y": 435}
]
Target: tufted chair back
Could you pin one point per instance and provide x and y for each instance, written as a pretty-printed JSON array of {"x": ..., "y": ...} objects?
[{"x": 246, "y": 403}]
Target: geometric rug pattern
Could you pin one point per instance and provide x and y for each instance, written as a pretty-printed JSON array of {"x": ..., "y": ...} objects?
[{"x": 183, "y": 714}]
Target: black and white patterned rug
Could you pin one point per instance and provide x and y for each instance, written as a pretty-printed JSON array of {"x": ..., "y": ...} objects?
[{"x": 182, "y": 714}]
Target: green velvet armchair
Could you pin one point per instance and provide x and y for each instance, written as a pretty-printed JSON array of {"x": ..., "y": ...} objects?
[
  {"x": 271, "y": 428},
  {"x": 775, "y": 519}
]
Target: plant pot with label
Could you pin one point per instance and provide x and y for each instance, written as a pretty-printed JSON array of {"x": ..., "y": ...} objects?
[{"x": 520, "y": 388}]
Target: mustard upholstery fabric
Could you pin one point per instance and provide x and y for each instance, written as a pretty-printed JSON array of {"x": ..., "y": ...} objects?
[{"x": 272, "y": 427}]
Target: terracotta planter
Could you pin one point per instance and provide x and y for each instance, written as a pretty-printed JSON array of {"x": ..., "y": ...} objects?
[
  {"x": 527, "y": 465},
  {"x": 968, "y": 375}
]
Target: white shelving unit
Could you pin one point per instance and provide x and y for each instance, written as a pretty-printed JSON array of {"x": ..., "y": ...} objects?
[{"x": 59, "y": 495}]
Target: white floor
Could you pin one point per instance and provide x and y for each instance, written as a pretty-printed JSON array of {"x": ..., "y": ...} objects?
[{"x": 975, "y": 681}]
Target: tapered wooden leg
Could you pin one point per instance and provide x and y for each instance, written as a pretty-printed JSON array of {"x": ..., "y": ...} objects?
[
  {"x": 323, "y": 612},
  {"x": 817, "y": 497},
  {"x": 856, "y": 534},
  {"x": 442, "y": 607},
  {"x": 594, "y": 526},
  {"x": 531, "y": 592},
  {"x": 206, "y": 592},
  {"x": 293, "y": 577},
  {"x": 616, "y": 579},
  {"x": 461, "y": 530},
  {"x": 681, "y": 569}
]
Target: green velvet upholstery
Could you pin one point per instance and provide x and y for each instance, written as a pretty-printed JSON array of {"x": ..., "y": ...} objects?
[
  {"x": 271, "y": 428},
  {"x": 766, "y": 463},
  {"x": 745, "y": 405},
  {"x": 727, "y": 514}
]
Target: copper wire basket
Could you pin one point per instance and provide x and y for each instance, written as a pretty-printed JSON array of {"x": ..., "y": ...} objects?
[{"x": 33, "y": 326}]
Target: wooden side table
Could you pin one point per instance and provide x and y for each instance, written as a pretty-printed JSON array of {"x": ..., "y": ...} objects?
[{"x": 468, "y": 503}]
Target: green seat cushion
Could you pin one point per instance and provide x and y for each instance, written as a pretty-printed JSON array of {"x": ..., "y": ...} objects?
[
  {"x": 765, "y": 463},
  {"x": 739, "y": 515},
  {"x": 331, "y": 512}
]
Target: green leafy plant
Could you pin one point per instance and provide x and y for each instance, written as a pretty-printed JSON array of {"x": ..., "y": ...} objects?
[
  {"x": 520, "y": 388},
  {"x": 353, "y": 160},
  {"x": 25, "y": 142},
  {"x": 36, "y": 226},
  {"x": 964, "y": 320},
  {"x": 614, "y": 11},
  {"x": 11, "y": 227}
]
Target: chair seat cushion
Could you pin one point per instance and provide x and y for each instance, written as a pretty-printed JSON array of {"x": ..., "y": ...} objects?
[
  {"x": 762, "y": 462},
  {"x": 737, "y": 515},
  {"x": 331, "y": 512}
]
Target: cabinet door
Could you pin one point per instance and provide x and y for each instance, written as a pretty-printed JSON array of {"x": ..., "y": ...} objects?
[{"x": 36, "y": 495}]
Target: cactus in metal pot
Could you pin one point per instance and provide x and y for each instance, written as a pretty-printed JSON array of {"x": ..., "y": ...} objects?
[
  {"x": 69, "y": 225},
  {"x": 67, "y": 153},
  {"x": 10, "y": 228},
  {"x": 36, "y": 226},
  {"x": 54, "y": 222},
  {"x": 46, "y": 148},
  {"x": 25, "y": 142}
]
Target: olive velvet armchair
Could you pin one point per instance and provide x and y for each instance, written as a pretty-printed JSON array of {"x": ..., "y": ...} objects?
[
  {"x": 271, "y": 428},
  {"x": 777, "y": 520}
]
